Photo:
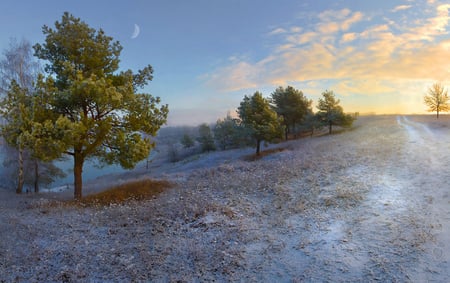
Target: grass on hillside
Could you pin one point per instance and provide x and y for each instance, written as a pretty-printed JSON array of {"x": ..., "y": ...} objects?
[
  {"x": 133, "y": 190},
  {"x": 263, "y": 153}
]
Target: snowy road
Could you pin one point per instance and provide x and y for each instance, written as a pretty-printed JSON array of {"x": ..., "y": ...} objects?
[{"x": 429, "y": 154}]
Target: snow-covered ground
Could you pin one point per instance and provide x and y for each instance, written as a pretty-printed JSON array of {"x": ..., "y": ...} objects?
[{"x": 370, "y": 204}]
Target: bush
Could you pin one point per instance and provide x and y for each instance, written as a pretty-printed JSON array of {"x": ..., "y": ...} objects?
[{"x": 133, "y": 190}]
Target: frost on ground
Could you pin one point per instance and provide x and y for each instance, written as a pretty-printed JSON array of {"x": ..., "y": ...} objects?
[{"x": 364, "y": 205}]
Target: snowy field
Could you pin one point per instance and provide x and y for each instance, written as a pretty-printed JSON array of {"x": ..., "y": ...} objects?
[{"x": 369, "y": 204}]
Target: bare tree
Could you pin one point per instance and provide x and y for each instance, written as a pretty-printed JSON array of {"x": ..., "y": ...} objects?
[
  {"x": 17, "y": 65},
  {"x": 437, "y": 99}
]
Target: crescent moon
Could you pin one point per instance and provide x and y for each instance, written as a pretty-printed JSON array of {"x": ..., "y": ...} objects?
[{"x": 136, "y": 31}]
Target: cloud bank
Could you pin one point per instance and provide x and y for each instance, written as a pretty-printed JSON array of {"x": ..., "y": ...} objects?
[{"x": 356, "y": 53}]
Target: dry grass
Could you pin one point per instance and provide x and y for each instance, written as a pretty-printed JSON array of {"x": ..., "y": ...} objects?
[{"x": 133, "y": 190}]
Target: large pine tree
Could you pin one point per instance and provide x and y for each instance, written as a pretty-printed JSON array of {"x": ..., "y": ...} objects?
[{"x": 109, "y": 119}]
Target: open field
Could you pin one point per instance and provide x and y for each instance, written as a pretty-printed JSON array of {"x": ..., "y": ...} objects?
[{"x": 369, "y": 204}]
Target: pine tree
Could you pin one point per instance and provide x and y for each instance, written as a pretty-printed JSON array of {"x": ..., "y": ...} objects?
[
  {"x": 262, "y": 122},
  {"x": 108, "y": 118},
  {"x": 331, "y": 113}
]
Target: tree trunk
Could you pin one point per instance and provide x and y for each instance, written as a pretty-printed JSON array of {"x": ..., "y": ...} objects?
[
  {"x": 20, "y": 179},
  {"x": 294, "y": 131},
  {"x": 36, "y": 176},
  {"x": 437, "y": 114},
  {"x": 78, "y": 175},
  {"x": 330, "y": 125},
  {"x": 258, "y": 146}
]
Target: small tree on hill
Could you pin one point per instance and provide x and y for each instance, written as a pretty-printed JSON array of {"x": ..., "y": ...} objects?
[
  {"x": 331, "y": 113},
  {"x": 206, "y": 138},
  {"x": 292, "y": 105},
  {"x": 311, "y": 123},
  {"x": 262, "y": 122},
  {"x": 230, "y": 133},
  {"x": 187, "y": 141},
  {"x": 437, "y": 99}
]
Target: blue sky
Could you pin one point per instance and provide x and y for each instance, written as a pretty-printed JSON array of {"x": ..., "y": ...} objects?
[{"x": 377, "y": 56}]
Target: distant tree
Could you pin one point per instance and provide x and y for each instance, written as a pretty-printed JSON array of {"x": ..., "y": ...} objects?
[
  {"x": 311, "y": 123},
  {"x": 437, "y": 99},
  {"x": 37, "y": 175},
  {"x": 108, "y": 118},
  {"x": 206, "y": 138},
  {"x": 173, "y": 152},
  {"x": 17, "y": 66},
  {"x": 33, "y": 129},
  {"x": 262, "y": 122},
  {"x": 187, "y": 141},
  {"x": 13, "y": 110},
  {"x": 331, "y": 113},
  {"x": 230, "y": 133},
  {"x": 292, "y": 105}
]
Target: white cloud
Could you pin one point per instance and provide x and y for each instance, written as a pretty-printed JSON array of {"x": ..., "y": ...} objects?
[
  {"x": 296, "y": 29},
  {"x": 441, "y": 21},
  {"x": 401, "y": 8},
  {"x": 331, "y": 15},
  {"x": 334, "y": 21},
  {"x": 303, "y": 38},
  {"x": 277, "y": 31},
  {"x": 347, "y": 23},
  {"x": 348, "y": 37}
]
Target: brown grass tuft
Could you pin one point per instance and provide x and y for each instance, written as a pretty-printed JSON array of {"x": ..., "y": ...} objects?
[{"x": 133, "y": 190}]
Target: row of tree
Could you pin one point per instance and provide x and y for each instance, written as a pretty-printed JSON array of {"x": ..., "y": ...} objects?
[
  {"x": 81, "y": 105},
  {"x": 286, "y": 113}
]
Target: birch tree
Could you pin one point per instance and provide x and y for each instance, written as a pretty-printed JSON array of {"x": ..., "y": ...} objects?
[{"x": 18, "y": 71}]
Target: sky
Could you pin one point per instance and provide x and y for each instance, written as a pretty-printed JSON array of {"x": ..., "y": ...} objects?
[{"x": 377, "y": 56}]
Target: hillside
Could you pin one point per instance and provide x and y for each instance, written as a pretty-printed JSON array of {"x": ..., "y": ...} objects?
[{"x": 367, "y": 204}]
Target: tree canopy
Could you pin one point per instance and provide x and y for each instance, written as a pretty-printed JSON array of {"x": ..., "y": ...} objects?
[
  {"x": 257, "y": 115},
  {"x": 437, "y": 99},
  {"x": 108, "y": 118}
]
